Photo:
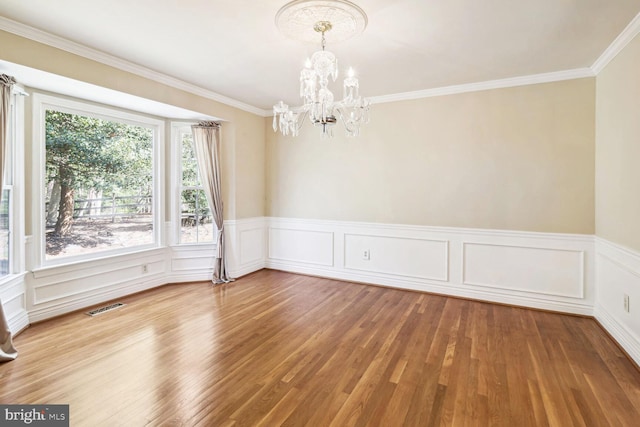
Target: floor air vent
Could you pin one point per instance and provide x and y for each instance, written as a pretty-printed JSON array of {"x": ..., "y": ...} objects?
[{"x": 105, "y": 309}]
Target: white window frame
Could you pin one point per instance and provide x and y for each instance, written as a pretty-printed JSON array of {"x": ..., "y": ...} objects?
[
  {"x": 177, "y": 129},
  {"x": 15, "y": 155},
  {"x": 41, "y": 103}
]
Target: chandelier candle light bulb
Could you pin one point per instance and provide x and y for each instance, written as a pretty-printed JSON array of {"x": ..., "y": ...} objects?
[
  {"x": 351, "y": 85},
  {"x": 318, "y": 100}
]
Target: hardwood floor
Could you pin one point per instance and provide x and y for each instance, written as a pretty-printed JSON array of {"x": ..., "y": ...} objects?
[{"x": 280, "y": 349}]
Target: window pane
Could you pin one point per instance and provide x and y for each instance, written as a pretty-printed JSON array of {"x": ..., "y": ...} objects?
[
  {"x": 5, "y": 204},
  {"x": 5, "y": 233},
  {"x": 11, "y": 136},
  {"x": 99, "y": 185},
  {"x": 190, "y": 175},
  {"x": 196, "y": 222}
]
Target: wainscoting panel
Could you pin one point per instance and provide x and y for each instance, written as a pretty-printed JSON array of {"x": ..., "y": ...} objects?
[
  {"x": 568, "y": 273},
  {"x": 251, "y": 246},
  {"x": 301, "y": 246},
  {"x": 618, "y": 274},
  {"x": 193, "y": 264},
  {"x": 530, "y": 269},
  {"x": 539, "y": 270},
  {"x": 56, "y": 290},
  {"x": 53, "y": 284},
  {"x": 246, "y": 245},
  {"x": 61, "y": 289},
  {"x": 401, "y": 256},
  {"x": 196, "y": 259},
  {"x": 14, "y": 303}
]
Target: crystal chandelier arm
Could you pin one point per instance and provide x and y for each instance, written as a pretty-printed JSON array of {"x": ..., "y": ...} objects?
[
  {"x": 301, "y": 118},
  {"x": 353, "y": 115},
  {"x": 288, "y": 120}
]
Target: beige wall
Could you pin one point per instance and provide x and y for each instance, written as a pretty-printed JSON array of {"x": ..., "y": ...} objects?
[
  {"x": 250, "y": 166},
  {"x": 618, "y": 148},
  {"x": 519, "y": 158},
  {"x": 243, "y": 133}
]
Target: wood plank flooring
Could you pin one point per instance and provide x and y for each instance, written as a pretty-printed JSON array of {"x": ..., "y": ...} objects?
[{"x": 275, "y": 348}]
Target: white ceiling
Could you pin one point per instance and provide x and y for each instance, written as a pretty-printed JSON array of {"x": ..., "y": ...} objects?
[{"x": 233, "y": 48}]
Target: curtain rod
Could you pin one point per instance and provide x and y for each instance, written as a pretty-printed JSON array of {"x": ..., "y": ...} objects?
[{"x": 208, "y": 123}]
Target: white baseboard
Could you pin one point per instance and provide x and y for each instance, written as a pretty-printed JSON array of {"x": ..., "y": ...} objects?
[
  {"x": 539, "y": 270},
  {"x": 19, "y": 321},
  {"x": 246, "y": 242},
  {"x": 187, "y": 278},
  {"x": 247, "y": 269},
  {"x": 191, "y": 263},
  {"x": 13, "y": 297},
  {"x": 618, "y": 274},
  {"x": 627, "y": 339},
  {"x": 57, "y": 308},
  {"x": 440, "y": 289},
  {"x": 561, "y": 272},
  {"x": 58, "y": 290},
  {"x": 54, "y": 291}
]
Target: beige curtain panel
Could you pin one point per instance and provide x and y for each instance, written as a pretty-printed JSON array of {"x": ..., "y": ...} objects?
[
  {"x": 7, "y": 350},
  {"x": 206, "y": 141}
]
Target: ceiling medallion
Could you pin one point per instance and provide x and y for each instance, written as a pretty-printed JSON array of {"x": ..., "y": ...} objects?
[
  {"x": 296, "y": 19},
  {"x": 335, "y": 20}
]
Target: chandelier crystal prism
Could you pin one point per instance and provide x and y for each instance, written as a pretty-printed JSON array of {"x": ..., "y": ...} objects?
[{"x": 319, "y": 103}]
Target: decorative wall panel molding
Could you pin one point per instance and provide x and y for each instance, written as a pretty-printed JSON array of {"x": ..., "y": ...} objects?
[
  {"x": 539, "y": 270},
  {"x": 57, "y": 290},
  {"x": 301, "y": 246},
  {"x": 246, "y": 245},
  {"x": 617, "y": 275},
  {"x": 192, "y": 259},
  {"x": 14, "y": 301},
  {"x": 399, "y": 256},
  {"x": 55, "y": 284},
  {"x": 562, "y": 272},
  {"x": 66, "y": 304},
  {"x": 548, "y": 271}
]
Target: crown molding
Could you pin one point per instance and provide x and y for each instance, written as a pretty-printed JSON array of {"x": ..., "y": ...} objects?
[
  {"x": 632, "y": 29},
  {"x": 577, "y": 73},
  {"x": 49, "y": 39},
  {"x": 618, "y": 44}
]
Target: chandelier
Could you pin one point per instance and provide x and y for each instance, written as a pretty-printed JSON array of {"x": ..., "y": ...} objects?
[{"x": 319, "y": 103}]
